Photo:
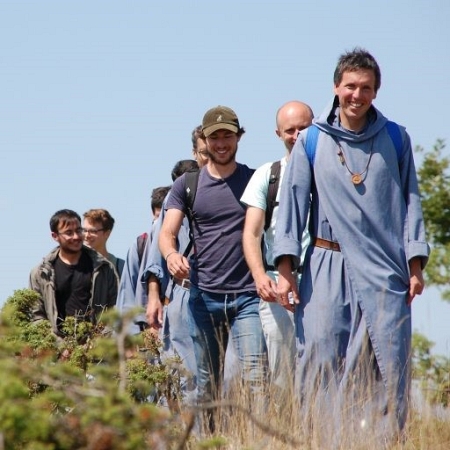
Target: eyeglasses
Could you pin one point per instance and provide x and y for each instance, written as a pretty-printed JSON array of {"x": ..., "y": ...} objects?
[
  {"x": 93, "y": 231},
  {"x": 203, "y": 153},
  {"x": 71, "y": 233}
]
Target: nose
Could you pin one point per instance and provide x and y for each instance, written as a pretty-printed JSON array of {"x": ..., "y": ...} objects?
[
  {"x": 220, "y": 143},
  {"x": 357, "y": 92}
]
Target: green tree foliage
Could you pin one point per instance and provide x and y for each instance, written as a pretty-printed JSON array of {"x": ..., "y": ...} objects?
[
  {"x": 431, "y": 371},
  {"x": 434, "y": 182},
  {"x": 80, "y": 391}
]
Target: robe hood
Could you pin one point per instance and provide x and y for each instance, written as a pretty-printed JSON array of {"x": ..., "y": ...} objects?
[{"x": 328, "y": 122}]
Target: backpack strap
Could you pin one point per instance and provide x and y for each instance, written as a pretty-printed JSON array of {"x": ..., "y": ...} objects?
[
  {"x": 394, "y": 132},
  {"x": 141, "y": 241},
  {"x": 312, "y": 135},
  {"x": 191, "y": 184},
  {"x": 271, "y": 199}
]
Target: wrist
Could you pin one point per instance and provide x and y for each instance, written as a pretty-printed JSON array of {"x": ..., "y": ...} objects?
[{"x": 170, "y": 253}]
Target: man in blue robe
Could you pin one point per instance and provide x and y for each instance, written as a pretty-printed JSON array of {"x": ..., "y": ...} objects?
[{"x": 362, "y": 269}]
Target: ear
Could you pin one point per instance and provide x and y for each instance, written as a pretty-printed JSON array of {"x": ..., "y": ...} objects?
[
  {"x": 55, "y": 237},
  {"x": 277, "y": 131}
]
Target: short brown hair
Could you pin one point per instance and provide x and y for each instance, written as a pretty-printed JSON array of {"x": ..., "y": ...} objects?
[
  {"x": 102, "y": 216},
  {"x": 196, "y": 135},
  {"x": 158, "y": 196},
  {"x": 357, "y": 59}
]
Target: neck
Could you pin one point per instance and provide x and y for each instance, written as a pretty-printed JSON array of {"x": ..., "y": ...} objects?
[
  {"x": 221, "y": 170},
  {"x": 353, "y": 125},
  {"x": 102, "y": 250},
  {"x": 71, "y": 258}
]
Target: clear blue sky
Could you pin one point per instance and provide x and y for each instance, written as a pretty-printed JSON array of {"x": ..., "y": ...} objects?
[{"x": 98, "y": 99}]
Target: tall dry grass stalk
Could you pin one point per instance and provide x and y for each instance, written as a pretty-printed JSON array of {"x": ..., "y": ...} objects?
[
  {"x": 280, "y": 427},
  {"x": 275, "y": 420}
]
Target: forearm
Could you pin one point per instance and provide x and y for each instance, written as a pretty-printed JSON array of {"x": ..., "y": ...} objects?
[
  {"x": 253, "y": 254},
  {"x": 167, "y": 243},
  {"x": 154, "y": 306},
  {"x": 285, "y": 266}
]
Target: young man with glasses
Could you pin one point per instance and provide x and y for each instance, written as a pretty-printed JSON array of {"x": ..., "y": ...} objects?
[
  {"x": 73, "y": 279},
  {"x": 98, "y": 225}
]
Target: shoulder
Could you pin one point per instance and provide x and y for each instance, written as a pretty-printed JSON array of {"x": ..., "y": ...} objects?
[
  {"x": 177, "y": 197},
  {"x": 97, "y": 259},
  {"x": 245, "y": 169},
  {"x": 262, "y": 174},
  {"x": 47, "y": 261},
  {"x": 257, "y": 188}
]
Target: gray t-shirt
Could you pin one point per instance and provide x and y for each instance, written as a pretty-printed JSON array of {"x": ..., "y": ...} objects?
[{"x": 219, "y": 264}]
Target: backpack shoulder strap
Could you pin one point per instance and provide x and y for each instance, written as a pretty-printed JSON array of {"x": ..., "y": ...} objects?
[
  {"x": 312, "y": 135},
  {"x": 191, "y": 183},
  {"x": 394, "y": 132},
  {"x": 274, "y": 182},
  {"x": 141, "y": 241}
]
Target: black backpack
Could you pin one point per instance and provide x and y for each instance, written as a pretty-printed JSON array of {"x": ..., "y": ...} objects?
[
  {"x": 191, "y": 183},
  {"x": 271, "y": 199}
]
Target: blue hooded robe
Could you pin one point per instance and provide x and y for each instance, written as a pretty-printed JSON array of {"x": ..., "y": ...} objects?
[{"x": 353, "y": 326}]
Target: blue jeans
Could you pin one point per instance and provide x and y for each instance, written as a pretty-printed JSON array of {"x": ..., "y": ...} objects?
[
  {"x": 177, "y": 340},
  {"x": 212, "y": 317}
]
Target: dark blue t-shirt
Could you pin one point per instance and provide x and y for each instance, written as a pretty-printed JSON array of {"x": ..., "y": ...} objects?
[{"x": 219, "y": 264}]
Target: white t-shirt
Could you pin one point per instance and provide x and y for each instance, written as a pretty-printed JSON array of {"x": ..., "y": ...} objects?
[{"x": 255, "y": 195}]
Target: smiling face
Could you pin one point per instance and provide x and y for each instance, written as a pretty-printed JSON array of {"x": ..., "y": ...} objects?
[
  {"x": 291, "y": 119},
  {"x": 356, "y": 91},
  {"x": 69, "y": 236},
  {"x": 222, "y": 147},
  {"x": 94, "y": 235}
]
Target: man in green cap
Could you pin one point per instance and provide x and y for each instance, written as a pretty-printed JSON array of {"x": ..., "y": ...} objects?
[{"x": 223, "y": 300}]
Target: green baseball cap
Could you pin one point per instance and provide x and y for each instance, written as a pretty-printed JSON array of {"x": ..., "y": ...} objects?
[{"x": 220, "y": 118}]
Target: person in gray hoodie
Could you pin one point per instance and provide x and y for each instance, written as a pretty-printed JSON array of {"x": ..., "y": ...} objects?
[{"x": 72, "y": 280}]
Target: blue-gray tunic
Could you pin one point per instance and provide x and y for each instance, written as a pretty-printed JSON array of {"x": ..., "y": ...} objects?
[{"x": 353, "y": 302}]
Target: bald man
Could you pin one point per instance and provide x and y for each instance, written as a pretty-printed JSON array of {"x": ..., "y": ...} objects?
[
  {"x": 277, "y": 321},
  {"x": 292, "y": 117}
]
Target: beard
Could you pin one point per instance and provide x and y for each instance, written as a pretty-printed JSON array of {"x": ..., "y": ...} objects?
[
  {"x": 222, "y": 160},
  {"x": 72, "y": 249}
]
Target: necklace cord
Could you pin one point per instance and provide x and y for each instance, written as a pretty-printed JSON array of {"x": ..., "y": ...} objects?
[{"x": 356, "y": 177}]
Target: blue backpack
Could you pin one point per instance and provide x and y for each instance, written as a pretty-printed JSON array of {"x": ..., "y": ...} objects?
[{"x": 313, "y": 134}]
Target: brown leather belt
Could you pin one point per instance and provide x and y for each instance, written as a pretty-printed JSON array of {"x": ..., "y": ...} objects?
[
  {"x": 324, "y": 243},
  {"x": 184, "y": 283}
]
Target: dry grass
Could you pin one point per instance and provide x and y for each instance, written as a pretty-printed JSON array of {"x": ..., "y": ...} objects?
[{"x": 243, "y": 424}]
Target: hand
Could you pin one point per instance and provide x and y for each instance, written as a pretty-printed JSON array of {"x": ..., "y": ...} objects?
[
  {"x": 266, "y": 288},
  {"x": 178, "y": 265},
  {"x": 416, "y": 281},
  {"x": 416, "y": 285},
  {"x": 154, "y": 312},
  {"x": 287, "y": 293}
]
